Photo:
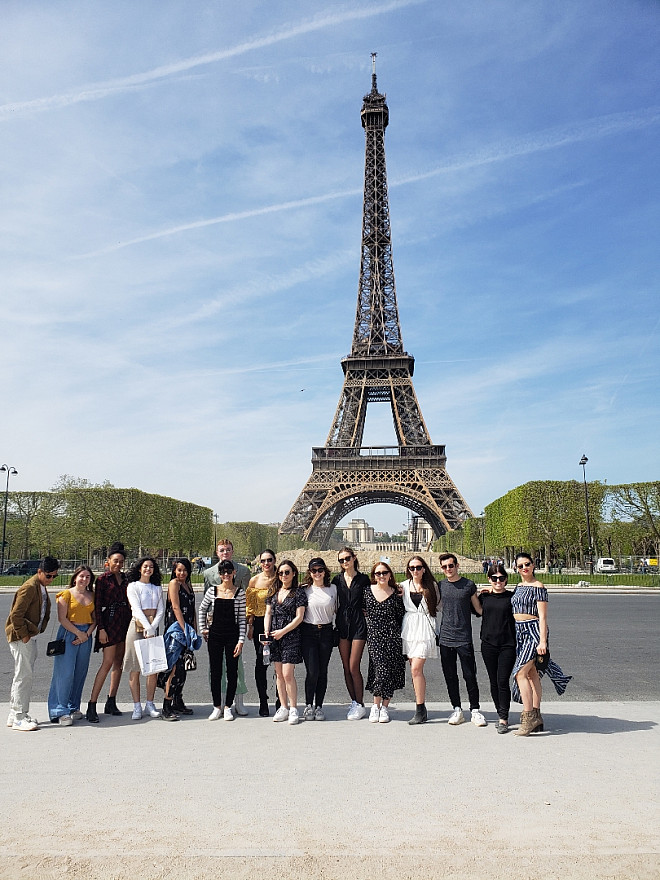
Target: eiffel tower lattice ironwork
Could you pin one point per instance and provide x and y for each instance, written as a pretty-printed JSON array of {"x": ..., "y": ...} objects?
[{"x": 346, "y": 475}]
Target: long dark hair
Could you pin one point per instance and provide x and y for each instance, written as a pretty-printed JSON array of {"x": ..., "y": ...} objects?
[
  {"x": 428, "y": 585},
  {"x": 90, "y": 586},
  {"x": 135, "y": 574},
  {"x": 497, "y": 568},
  {"x": 317, "y": 563},
  {"x": 356, "y": 564},
  {"x": 186, "y": 563},
  {"x": 391, "y": 581},
  {"x": 277, "y": 583}
]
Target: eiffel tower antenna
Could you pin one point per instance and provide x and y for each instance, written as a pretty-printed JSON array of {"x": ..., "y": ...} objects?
[{"x": 345, "y": 474}]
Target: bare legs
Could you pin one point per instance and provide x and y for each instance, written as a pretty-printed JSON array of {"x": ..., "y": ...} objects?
[
  {"x": 529, "y": 683},
  {"x": 351, "y": 652},
  {"x": 419, "y": 681},
  {"x": 287, "y": 687},
  {"x": 113, "y": 657},
  {"x": 134, "y": 684}
]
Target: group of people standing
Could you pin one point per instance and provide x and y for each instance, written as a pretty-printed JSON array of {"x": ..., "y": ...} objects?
[{"x": 291, "y": 620}]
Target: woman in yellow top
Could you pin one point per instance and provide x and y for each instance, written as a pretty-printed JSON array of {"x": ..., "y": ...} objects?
[
  {"x": 255, "y": 598},
  {"x": 75, "y": 612}
]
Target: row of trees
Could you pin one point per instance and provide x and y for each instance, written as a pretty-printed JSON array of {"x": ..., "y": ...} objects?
[
  {"x": 548, "y": 519},
  {"x": 79, "y": 520}
]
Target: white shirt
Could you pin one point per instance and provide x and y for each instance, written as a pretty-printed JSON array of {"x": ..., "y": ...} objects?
[
  {"x": 146, "y": 596},
  {"x": 321, "y": 604}
]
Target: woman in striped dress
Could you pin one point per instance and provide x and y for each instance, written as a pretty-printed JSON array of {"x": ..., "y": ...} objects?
[{"x": 529, "y": 605}]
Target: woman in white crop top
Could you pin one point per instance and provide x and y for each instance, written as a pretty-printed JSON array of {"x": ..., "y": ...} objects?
[{"x": 145, "y": 596}]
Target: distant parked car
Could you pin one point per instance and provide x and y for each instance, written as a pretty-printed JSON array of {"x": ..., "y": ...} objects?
[
  {"x": 26, "y": 567},
  {"x": 605, "y": 565}
]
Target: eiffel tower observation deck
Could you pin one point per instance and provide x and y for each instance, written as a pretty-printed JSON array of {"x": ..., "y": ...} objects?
[{"x": 345, "y": 474}]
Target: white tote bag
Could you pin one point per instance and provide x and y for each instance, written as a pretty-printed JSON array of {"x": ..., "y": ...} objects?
[{"x": 151, "y": 655}]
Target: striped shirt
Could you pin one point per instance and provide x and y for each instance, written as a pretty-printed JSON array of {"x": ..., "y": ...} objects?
[{"x": 239, "y": 610}]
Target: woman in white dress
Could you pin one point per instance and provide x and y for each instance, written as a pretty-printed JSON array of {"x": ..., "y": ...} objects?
[{"x": 418, "y": 631}]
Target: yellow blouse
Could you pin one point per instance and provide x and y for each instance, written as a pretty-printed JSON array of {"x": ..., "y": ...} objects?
[
  {"x": 255, "y": 596},
  {"x": 77, "y": 613}
]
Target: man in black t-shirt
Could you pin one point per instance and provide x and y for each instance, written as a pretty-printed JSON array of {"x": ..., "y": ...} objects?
[{"x": 458, "y": 595}]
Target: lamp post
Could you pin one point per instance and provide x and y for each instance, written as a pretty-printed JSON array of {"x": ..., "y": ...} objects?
[
  {"x": 583, "y": 461},
  {"x": 483, "y": 531},
  {"x": 11, "y": 471}
]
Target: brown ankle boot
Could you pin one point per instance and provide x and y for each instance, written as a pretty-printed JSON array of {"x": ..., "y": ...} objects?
[
  {"x": 538, "y": 719},
  {"x": 527, "y": 723}
]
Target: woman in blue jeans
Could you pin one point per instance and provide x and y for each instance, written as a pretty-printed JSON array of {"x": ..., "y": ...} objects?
[{"x": 75, "y": 612}]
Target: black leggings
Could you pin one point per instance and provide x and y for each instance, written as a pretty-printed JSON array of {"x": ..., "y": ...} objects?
[
  {"x": 260, "y": 671},
  {"x": 317, "y": 644},
  {"x": 223, "y": 643},
  {"x": 499, "y": 663},
  {"x": 448, "y": 658}
]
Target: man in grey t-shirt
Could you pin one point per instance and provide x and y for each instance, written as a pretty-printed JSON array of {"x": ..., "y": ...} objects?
[{"x": 458, "y": 596}]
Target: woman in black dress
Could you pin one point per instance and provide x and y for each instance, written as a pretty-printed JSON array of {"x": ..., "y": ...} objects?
[
  {"x": 351, "y": 584},
  {"x": 180, "y": 609},
  {"x": 384, "y": 610},
  {"x": 285, "y": 610},
  {"x": 498, "y": 641},
  {"x": 113, "y": 616}
]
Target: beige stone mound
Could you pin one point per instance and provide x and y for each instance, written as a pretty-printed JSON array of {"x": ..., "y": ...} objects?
[{"x": 368, "y": 558}]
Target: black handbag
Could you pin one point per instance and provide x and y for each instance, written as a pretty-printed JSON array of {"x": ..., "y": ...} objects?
[
  {"x": 56, "y": 647},
  {"x": 541, "y": 661}
]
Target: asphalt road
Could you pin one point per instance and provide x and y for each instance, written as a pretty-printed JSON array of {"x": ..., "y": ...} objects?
[{"x": 609, "y": 644}]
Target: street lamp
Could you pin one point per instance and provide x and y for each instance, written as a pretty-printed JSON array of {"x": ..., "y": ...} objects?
[
  {"x": 583, "y": 461},
  {"x": 11, "y": 471},
  {"x": 483, "y": 530}
]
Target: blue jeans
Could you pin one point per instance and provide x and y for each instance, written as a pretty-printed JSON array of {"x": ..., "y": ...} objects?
[{"x": 69, "y": 673}]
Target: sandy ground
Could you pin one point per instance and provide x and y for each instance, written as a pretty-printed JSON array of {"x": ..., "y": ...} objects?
[{"x": 336, "y": 799}]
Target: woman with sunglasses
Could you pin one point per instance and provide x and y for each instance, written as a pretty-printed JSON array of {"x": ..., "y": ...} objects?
[
  {"x": 317, "y": 640},
  {"x": 222, "y": 623},
  {"x": 498, "y": 640},
  {"x": 255, "y": 597},
  {"x": 285, "y": 610},
  {"x": 351, "y": 584},
  {"x": 530, "y": 611},
  {"x": 418, "y": 633},
  {"x": 384, "y": 611}
]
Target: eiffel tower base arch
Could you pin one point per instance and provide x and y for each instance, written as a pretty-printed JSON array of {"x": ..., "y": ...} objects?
[{"x": 344, "y": 479}]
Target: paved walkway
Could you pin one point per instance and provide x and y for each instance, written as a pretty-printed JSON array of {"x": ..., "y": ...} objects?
[{"x": 335, "y": 799}]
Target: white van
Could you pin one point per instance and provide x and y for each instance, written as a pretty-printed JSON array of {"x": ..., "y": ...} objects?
[{"x": 605, "y": 565}]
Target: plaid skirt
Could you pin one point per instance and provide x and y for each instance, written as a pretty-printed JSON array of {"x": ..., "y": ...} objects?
[{"x": 528, "y": 635}]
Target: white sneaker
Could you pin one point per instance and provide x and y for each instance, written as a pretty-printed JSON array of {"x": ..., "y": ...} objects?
[
  {"x": 77, "y": 715},
  {"x": 150, "y": 709},
  {"x": 137, "y": 713},
  {"x": 239, "y": 706},
  {"x": 375, "y": 712},
  {"x": 215, "y": 714},
  {"x": 308, "y": 713},
  {"x": 456, "y": 716},
  {"x": 360, "y": 712},
  {"x": 66, "y": 721},
  {"x": 294, "y": 718},
  {"x": 282, "y": 714},
  {"x": 11, "y": 719},
  {"x": 319, "y": 714},
  {"x": 25, "y": 724},
  {"x": 384, "y": 715},
  {"x": 228, "y": 714},
  {"x": 478, "y": 719},
  {"x": 351, "y": 710}
]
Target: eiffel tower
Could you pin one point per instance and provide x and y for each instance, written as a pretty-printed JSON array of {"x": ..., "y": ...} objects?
[{"x": 345, "y": 474}]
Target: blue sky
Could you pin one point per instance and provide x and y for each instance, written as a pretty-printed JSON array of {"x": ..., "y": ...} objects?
[{"x": 180, "y": 205}]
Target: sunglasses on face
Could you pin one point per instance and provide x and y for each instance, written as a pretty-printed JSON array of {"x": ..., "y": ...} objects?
[
  {"x": 50, "y": 577},
  {"x": 317, "y": 570},
  {"x": 525, "y": 565},
  {"x": 285, "y": 572},
  {"x": 498, "y": 577},
  {"x": 448, "y": 565},
  {"x": 344, "y": 559},
  {"x": 415, "y": 568},
  {"x": 380, "y": 574}
]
